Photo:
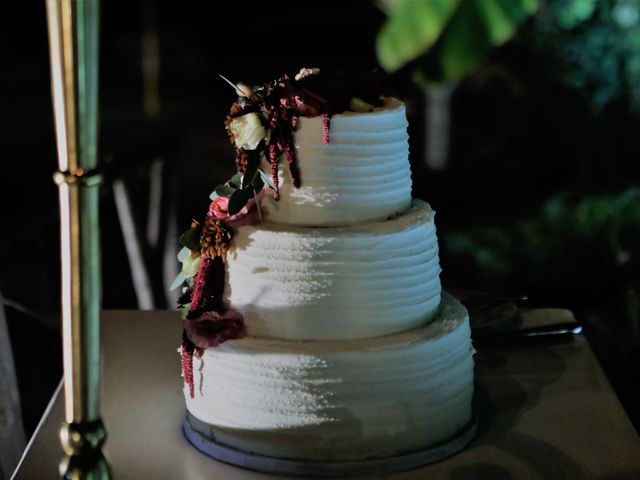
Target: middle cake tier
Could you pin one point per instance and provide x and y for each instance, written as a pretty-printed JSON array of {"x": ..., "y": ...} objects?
[{"x": 338, "y": 283}]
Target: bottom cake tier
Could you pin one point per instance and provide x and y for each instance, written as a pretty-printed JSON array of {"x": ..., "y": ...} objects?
[{"x": 338, "y": 400}]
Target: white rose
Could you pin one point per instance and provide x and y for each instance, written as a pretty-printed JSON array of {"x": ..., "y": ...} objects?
[
  {"x": 306, "y": 72},
  {"x": 247, "y": 131},
  {"x": 190, "y": 266}
]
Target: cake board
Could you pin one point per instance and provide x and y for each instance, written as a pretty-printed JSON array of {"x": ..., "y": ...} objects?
[{"x": 311, "y": 468}]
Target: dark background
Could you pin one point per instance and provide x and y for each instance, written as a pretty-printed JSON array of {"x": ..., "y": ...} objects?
[{"x": 540, "y": 195}]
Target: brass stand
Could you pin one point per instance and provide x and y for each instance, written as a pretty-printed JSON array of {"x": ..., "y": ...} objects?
[{"x": 73, "y": 41}]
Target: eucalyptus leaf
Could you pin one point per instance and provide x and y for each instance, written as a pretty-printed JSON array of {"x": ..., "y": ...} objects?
[
  {"x": 183, "y": 254},
  {"x": 238, "y": 200},
  {"x": 224, "y": 190},
  {"x": 191, "y": 238},
  {"x": 179, "y": 280},
  {"x": 235, "y": 181},
  {"x": 266, "y": 179}
]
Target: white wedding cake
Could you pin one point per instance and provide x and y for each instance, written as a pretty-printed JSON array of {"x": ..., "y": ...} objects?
[{"x": 341, "y": 345}]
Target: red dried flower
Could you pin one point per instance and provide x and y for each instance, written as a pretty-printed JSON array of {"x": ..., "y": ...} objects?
[
  {"x": 186, "y": 360},
  {"x": 326, "y": 124},
  {"x": 198, "y": 296},
  {"x": 273, "y": 160}
]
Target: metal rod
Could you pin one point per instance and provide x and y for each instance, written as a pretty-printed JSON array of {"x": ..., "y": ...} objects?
[{"x": 73, "y": 41}]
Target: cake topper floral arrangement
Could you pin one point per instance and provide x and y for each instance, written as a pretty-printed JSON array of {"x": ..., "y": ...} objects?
[{"x": 261, "y": 125}]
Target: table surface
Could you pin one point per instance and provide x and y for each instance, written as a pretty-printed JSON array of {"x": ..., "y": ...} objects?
[{"x": 545, "y": 411}]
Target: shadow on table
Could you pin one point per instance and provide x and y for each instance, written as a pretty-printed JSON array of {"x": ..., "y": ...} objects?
[{"x": 508, "y": 386}]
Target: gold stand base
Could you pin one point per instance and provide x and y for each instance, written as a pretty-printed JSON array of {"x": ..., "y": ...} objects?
[
  {"x": 85, "y": 467},
  {"x": 82, "y": 438},
  {"x": 82, "y": 443}
]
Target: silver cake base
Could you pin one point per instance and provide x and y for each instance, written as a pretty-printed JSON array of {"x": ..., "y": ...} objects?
[{"x": 311, "y": 468}]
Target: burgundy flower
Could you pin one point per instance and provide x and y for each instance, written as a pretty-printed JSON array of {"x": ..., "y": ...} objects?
[
  {"x": 302, "y": 102},
  {"x": 212, "y": 328}
]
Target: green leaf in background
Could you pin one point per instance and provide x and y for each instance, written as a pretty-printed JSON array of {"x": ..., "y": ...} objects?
[
  {"x": 592, "y": 46},
  {"x": 463, "y": 47},
  {"x": 477, "y": 27},
  {"x": 459, "y": 34},
  {"x": 571, "y": 13},
  {"x": 501, "y": 18},
  {"x": 586, "y": 241},
  {"x": 412, "y": 28}
]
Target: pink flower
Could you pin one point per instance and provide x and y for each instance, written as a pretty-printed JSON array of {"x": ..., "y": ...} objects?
[
  {"x": 212, "y": 328},
  {"x": 219, "y": 209}
]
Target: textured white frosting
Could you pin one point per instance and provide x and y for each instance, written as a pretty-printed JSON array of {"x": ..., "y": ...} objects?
[
  {"x": 338, "y": 400},
  {"x": 362, "y": 174},
  {"x": 360, "y": 281}
]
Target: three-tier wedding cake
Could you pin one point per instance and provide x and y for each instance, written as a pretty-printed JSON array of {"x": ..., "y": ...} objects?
[{"x": 317, "y": 329}]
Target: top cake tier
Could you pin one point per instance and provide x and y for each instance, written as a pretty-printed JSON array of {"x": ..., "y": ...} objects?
[{"x": 362, "y": 174}]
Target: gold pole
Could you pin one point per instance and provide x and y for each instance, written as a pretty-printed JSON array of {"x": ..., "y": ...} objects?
[{"x": 73, "y": 42}]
